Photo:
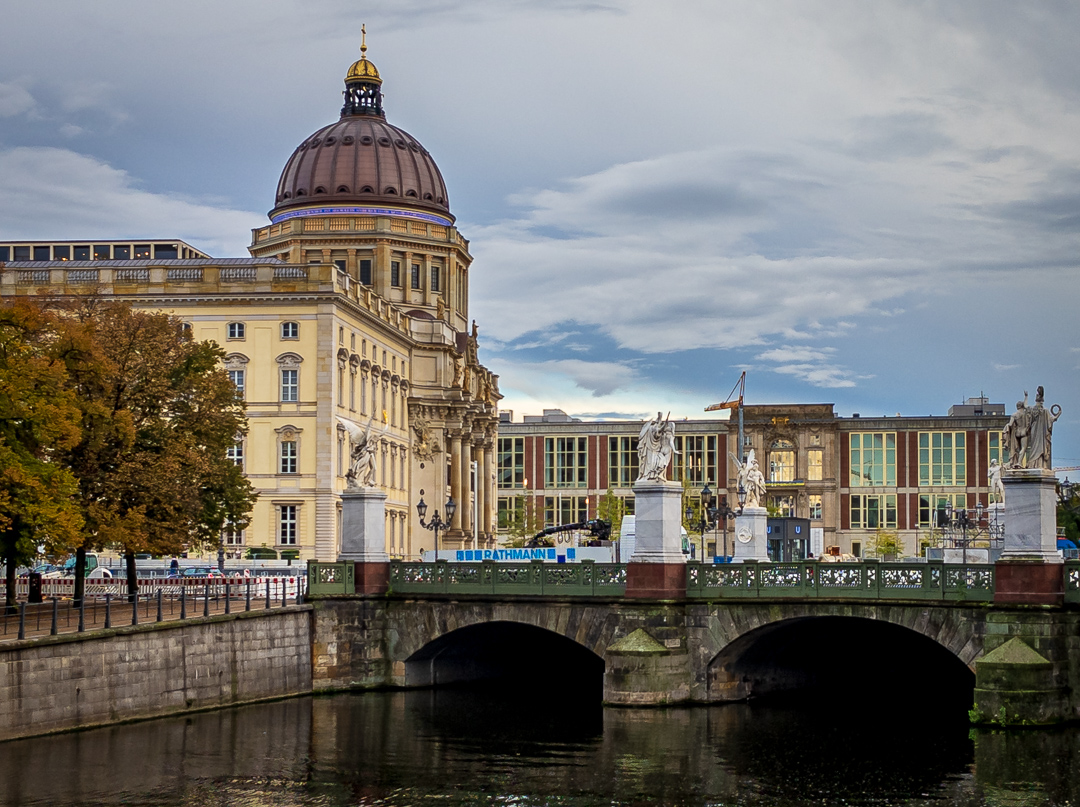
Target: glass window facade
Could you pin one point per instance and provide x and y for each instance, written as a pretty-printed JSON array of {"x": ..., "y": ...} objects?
[
  {"x": 873, "y": 511},
  {"x": 695, "y": 459},
  {"x": 782, "y": 461},
  {"x": 565, "y": 462},
  {"x": 932, "y": 507},
  {"x": 942, "y": 459},
  {"x": 622, "y": 461},
  {"x": 815, "y": 465},
  {"x": 565, "y": 510},
  {"x": 511, "y": 462},
  {"x": 873, "y": 459}
]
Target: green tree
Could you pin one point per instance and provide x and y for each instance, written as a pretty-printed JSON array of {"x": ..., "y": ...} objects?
[
  {"x": 158, "y": 415},
  {"x": 522, "y": 519},
  {"x": 38, "y": 418},
  {"x": 611, "y": 508},
  {"x": 886, "y": 544}
]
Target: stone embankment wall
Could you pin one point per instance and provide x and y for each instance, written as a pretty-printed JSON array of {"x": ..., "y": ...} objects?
[{"x": 106, "y": 676}]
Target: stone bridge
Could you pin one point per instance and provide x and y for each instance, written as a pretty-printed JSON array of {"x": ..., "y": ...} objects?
[{"x": 651, "y": 652}]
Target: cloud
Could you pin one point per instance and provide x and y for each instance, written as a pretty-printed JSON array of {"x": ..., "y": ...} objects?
[
  {"x": 51, "y": 193},
  {"x": 599, "y": 378},
  {"x": 1001, "y": 368},
  {"x": 15, "y": 100},
  {"x": 812, "y": 365}
]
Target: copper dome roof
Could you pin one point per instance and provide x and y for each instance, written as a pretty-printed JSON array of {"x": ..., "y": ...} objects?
[{"x": 361, "y": 159}]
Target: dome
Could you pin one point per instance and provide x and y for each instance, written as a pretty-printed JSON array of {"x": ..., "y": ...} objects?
[
  {"x": 363, "y": 69},
  {"x": 361, "y": 159}
]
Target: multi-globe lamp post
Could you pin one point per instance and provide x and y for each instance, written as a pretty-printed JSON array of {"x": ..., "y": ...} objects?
[
  {"x": 713, "y": 513},
  {"x": 436, "y": 523}
]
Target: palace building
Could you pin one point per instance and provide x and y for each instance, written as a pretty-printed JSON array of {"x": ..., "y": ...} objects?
[
  {"x": 354, "y": 305},
  {"x": 849, "y": 476}
]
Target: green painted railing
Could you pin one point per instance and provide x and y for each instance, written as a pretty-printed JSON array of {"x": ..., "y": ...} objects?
[
  {"x": 1072, "y": 581},
  {"x": 488, "y": 577},
  {"x": 331, "y": 578},
  {"x": 867, "y": 579}
]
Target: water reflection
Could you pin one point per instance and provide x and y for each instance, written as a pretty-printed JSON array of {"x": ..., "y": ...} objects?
[{"x": 521, "y": 746}]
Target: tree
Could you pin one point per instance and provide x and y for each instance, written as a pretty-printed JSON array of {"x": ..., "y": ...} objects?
[
  {"x": 886, "y": 544},
  {"x": 522, "y": 519},
  {"x": 611, "y": 508},
  {"x": 38, "y": 418},
  {"x": 158, "y": 415}
]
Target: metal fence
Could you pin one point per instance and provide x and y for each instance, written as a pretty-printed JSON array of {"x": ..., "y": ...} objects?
[
  {"x": 864, "y": 580},
  {"x": 108, "y": 605},
  {"x": 586, "y": 578}
]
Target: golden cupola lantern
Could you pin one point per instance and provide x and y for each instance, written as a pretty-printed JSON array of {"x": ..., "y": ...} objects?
[{"x": 363, "y": 86}]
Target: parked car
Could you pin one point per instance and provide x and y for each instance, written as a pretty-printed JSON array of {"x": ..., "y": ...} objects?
[{"x": 201, "y": 571}]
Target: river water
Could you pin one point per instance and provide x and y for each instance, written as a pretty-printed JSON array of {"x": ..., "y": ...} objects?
[{"x": 534, "y": 746}]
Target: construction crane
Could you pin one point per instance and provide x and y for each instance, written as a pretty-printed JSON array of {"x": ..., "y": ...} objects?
[{"x": 735, "y": 404}]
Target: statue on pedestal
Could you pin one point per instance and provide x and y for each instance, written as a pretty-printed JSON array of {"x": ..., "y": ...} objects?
[
  {"x": 751, "y": 479},
  {"x": 1029, "y": 431},
  {"x": 1040, "y": 425},
  {"x": 997, "y": 487},
  {"x": 656, "y": 445},
  {"x": 362, "y": 446}
]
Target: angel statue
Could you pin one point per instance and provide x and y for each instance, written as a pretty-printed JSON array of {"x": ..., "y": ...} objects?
[
  {"x": 750, "y": 479},
  {"x": 361, "y": 473},
  {"x": 656, "y": 445}
]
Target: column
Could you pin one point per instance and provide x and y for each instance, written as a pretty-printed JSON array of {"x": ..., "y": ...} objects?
[
  {"x": 481, "y": 494},
  {"x": 455, "y": 479},
  {"x": 489, "y": 486},
  {"x": 465, "y": 505}
]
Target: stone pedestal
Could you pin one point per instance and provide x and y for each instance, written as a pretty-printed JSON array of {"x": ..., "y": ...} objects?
[
  {"x": 751, "y": 535},
  {"x": 1030, "y": 515},
  {"x": 363, "y": 538},
  {"x": 1029, "y": 569},
  {"x": 658, "y": 567}
]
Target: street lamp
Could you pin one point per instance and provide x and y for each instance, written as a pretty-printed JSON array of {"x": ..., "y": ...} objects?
[{"x": 436, "y": 522}]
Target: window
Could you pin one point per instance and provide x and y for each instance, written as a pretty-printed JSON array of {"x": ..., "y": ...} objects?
[
  {"x": 231, "y": 536},
  {"x": 287, "y": 523},
  {"x": 782, "y": 461},
  {"x": 59, "y": 253},
  {"x": 235, "y": 453},
  {"x": 565, "y": 509},
  {"x": 290, "y": 330},
  {"x": 5, "y": 254},
  {"x": 695, "y": 458},
  {"x": 237, "y": 378},
  {"x": 783, "y": 506},
  {"x": 815, "y": 465},
  {"x": 414, "y": 276},
  {"x": 234, "y": 330},
  {"x": 42, "y": 254},
  {"x": 81, "y": 253},
  {"x": 102, "y": 252},
  {"x": 435, "y": 278},
  {"x": 142, "y": 251},
  {"x": 511, "y": 462},
  {"x": 565, "y": 462},
  {"x": 873, "y": 459},
  {"x": 122, "y": 252},
  {"x": 815, "y": 506},
  {"x": 942, "y": 459},
  {"x": 166, "y": 252},
  {"x": 290, "y": 377},
  {"x": 287, "y": 457},
  {"x": 365, "y": 272},
  {"x": 622, "y": 461},
  {"x": 932, "y": 507},
  {"x": 395, "y": 274},
  {"x": 290, "y": 386},
  {"x": 873, "y": 511}
]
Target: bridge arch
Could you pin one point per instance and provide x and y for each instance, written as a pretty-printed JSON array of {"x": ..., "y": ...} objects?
[
  {"x": 446, "y": 643},
  {"x": 845, "y": 654}
]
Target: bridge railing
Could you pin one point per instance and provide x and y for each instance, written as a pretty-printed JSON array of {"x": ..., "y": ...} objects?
[
  {"x": 331, "y": 578},
  {"x": 586, "y": 578},
  {"x": 867, "y": 579}
]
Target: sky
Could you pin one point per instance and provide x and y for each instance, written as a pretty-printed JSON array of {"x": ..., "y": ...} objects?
[{"x": 875, "y": 205}]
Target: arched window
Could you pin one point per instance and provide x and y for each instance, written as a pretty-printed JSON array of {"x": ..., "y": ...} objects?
[
  {"x": 235, "y": 330},
  {"x": 782, "y": 461},
  {"x": 290, "y": 330}
]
